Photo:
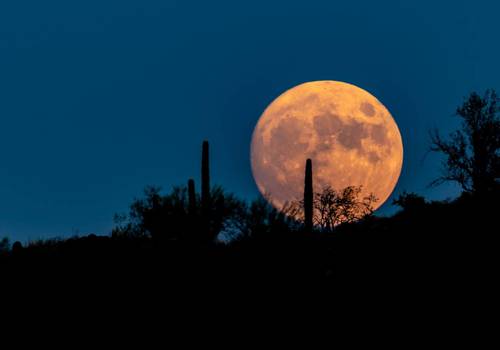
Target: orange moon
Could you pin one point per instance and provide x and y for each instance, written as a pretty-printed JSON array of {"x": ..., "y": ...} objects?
[{"x": 350, "y": 136}]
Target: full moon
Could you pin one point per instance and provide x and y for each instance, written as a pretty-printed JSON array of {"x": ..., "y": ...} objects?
[{"x": 350, "y": 136}]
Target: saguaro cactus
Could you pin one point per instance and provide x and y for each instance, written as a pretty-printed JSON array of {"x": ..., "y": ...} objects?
[
  {"x": 205, "y": 194},
  {"x": 205, "y": 179},
  {"x": 308, "y": 197},
  {"x": 191, "y": 198}
]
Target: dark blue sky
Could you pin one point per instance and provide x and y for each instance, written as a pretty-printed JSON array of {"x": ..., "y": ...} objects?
[{"x": 99, "y": 98}]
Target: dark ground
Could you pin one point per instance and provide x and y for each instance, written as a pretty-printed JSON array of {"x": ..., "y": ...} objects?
[
  {"x": 427, "y": 275},
  {"x": 437, "y": 249}
]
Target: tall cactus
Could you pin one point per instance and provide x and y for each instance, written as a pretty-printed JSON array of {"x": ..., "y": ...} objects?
[
  {"x": 308, "y": 197},
  {"x": 205, "y": 191},
  {"x": 191, "y": 198},
  {"x": 205, "y": 179}
]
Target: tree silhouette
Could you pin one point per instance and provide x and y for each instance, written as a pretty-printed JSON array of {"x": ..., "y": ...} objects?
[
  {"x": 334, "y": 207},
  {"x": 171, "y": 216},
  {"x": 259, "y": 221},
  {"x": 225, "y": 211},
  {"x": 161, "y": 217},
  {"x": 338, "y": 207},
  {"x": 472, "y": 154}
]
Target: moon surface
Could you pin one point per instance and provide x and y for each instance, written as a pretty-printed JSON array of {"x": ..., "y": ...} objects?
[{"x": 350, "y": 136}]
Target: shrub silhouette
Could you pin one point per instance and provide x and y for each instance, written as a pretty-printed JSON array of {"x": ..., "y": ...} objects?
[
  {"x": 4, "y": 246},
  {"x": 17, "y": 247},
  {"x": 410, "y": 201}
]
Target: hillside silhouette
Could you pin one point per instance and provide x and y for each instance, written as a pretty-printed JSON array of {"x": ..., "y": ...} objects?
[{"x": 191, "y": 240}]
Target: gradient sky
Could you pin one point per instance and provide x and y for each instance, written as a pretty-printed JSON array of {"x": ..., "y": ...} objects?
[{"x": 99, "y": 98}]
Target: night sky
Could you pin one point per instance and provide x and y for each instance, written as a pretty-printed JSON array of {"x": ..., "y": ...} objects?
[{"x": 99, "y": 98}]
